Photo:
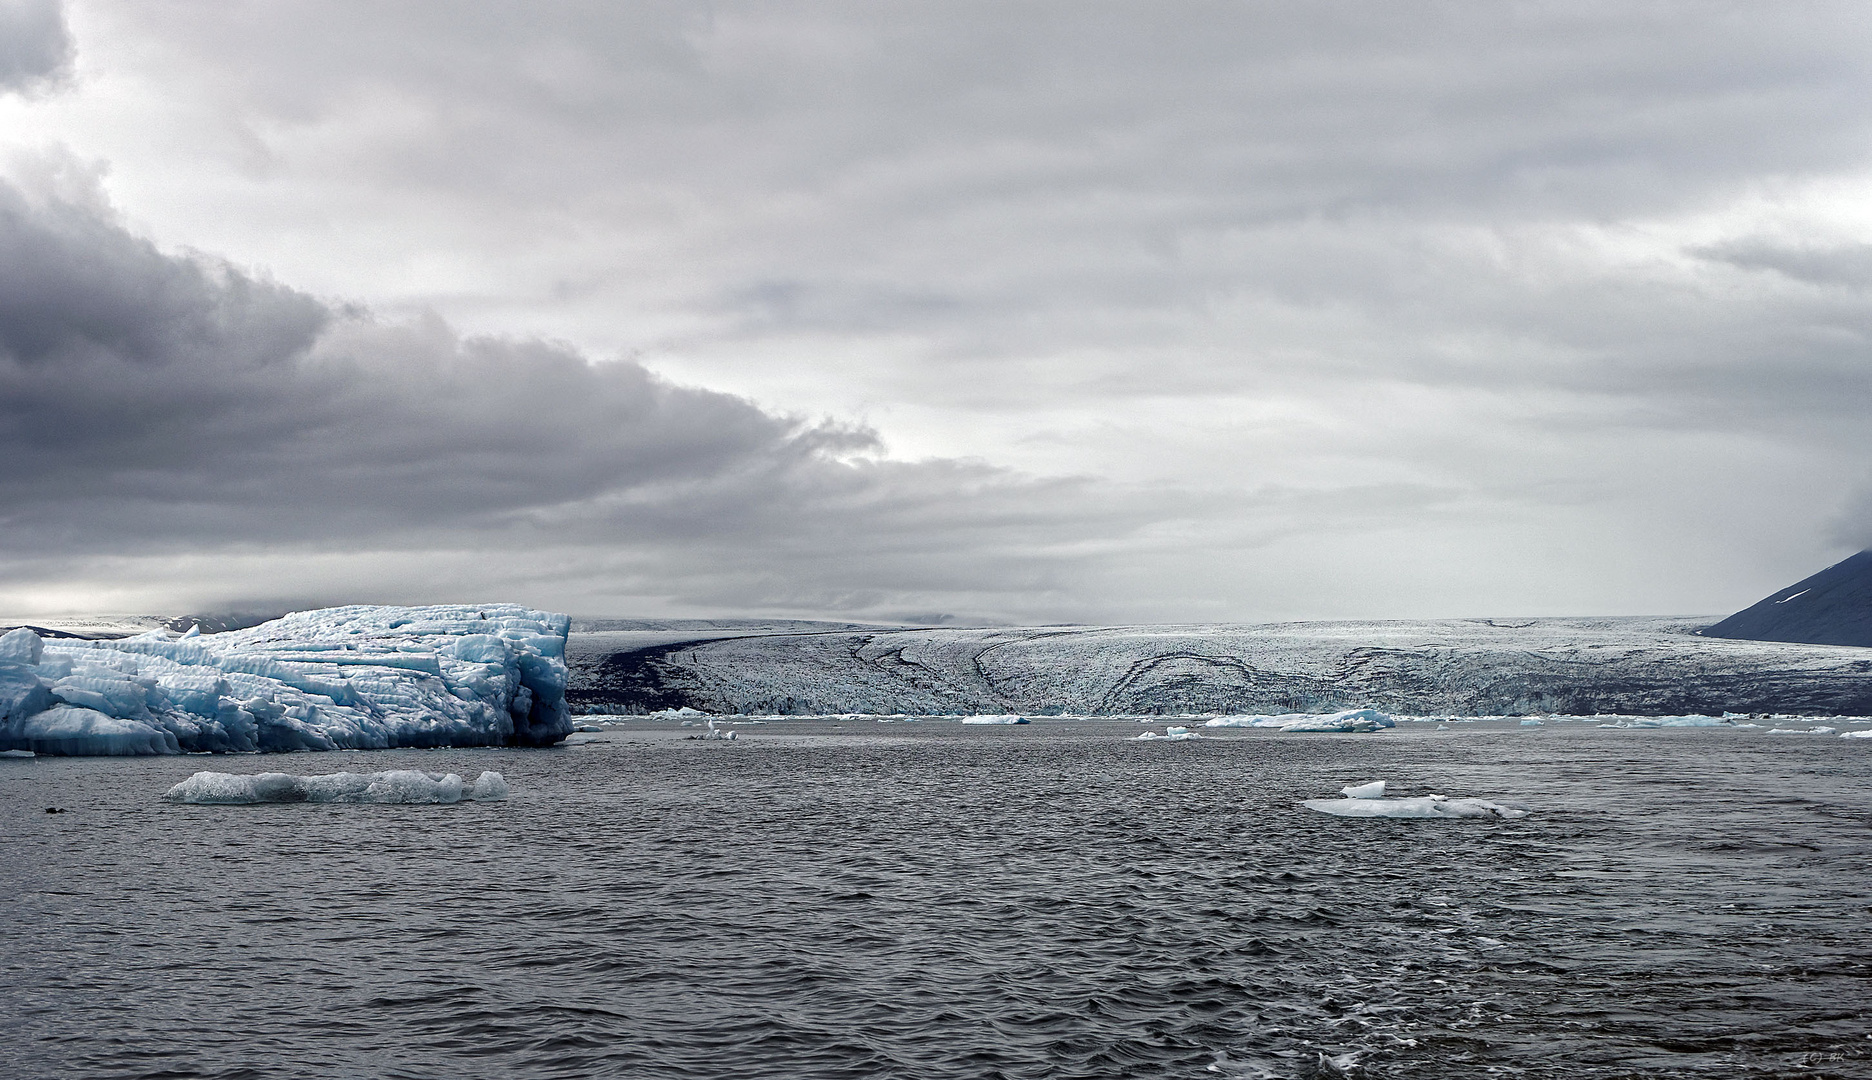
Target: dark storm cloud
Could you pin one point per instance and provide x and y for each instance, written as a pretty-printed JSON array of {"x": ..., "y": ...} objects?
[
  {"x": 154, "y": 405},
  {"x": 35, "y": 46}
]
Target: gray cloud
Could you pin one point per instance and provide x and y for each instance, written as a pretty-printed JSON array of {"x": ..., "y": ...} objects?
[
  {"x": 1348, "y": 308},
  {"x": 155, "y": 406},
  {"x": 1848, "y": 265},
  {"x": 35, "y": 47}
]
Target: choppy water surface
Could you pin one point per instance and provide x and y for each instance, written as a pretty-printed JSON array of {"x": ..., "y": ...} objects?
[{"x": 935, "y": 901}]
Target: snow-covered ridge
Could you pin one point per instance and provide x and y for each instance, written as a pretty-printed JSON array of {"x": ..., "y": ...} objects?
[{"x": 347, "y": 678}]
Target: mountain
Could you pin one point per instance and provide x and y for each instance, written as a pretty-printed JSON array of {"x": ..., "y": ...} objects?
[{"x": 1833, "y": 607}]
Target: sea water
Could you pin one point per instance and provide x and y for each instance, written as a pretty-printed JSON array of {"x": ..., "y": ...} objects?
[{"x": 931, "y": 900}]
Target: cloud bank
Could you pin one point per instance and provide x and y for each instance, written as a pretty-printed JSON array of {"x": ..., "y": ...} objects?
[
  {"x": 1250, "y": 311},
  {"x": 155, "y": 407}
]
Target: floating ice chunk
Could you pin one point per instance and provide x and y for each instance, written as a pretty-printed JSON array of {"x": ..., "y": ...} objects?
[
  {"x": 1171, "y": 734},
  {"x": 1865, "y": 733},
  {"x": 1350, "y": 721},
  {"x": 998, "y": 719},
  {"x": 397, "y": 786},
  {"x": 1531, "y": 722},
  {"x": 1373, "y": 790},
  {"x": 17, "y": 754},
  {"x": 489, "y": 787},
  {"x": 339, "y": 678},
  {"x": 1429, "y": 806},
  {"x": 1801, "y": 731}
]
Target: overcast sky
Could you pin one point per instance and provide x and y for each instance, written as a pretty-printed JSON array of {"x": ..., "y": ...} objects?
[{"x": 992, "y": 311}]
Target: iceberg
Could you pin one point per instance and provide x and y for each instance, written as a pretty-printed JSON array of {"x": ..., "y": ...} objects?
[
  {"x": 1353, "y": 720},
  {"x": 1373, "y": 790},
  {"x": 348, "y": 678},
  {"x": 1429, "y": 806},
  {"x": 400, "y": 786},
  {"x": 1170, "y": 734},
  {"x": 995, "y": 720}
]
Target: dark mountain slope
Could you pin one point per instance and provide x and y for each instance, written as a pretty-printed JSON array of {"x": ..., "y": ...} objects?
[{"x": 1833, "y": 607}]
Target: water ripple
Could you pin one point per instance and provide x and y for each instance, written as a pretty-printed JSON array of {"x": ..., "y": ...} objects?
[{"x": 1051, "y": 901}]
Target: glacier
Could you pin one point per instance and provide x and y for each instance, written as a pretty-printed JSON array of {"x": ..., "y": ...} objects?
[
  {"x": 1639, "y": 666},
  {"x": 345, "y": 678}
]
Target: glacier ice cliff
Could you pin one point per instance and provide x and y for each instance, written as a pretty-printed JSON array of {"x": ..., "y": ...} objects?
[{"x": 346, "y": 678}]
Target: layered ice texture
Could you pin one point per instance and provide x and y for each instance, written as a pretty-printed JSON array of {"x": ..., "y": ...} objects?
[
  {"x": 348, "y": 678},
  {"x": 1453, "y": 667},
  {"x": 400, "y": 786}
]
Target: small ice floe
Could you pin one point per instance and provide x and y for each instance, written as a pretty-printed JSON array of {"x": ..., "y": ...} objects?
[
  {"x": 684, "y": 713},
  {"x": 1170, "y": 734},
  {"x": 397, "y": 786},
  {"x": 1367, "y": 800},
  {"x": 996, "y": 719},
  {"x": 17, "y": 754},
  {"x": 1611, "y": 721},
  {"x": 1863, "y": 733},
  {"x": 1801, "y": 731},
  {"x": 1353, "y": 720},
  {"x": 1531, "y": 722}
]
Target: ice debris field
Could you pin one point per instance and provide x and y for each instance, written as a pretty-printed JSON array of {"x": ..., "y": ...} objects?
[
  {"x": 399, "y": 786},
  {"x": 347, "y": 678}
]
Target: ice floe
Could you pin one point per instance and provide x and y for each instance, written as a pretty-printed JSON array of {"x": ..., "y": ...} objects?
[
  {"x": 1352, "y": 720},
  {"x": 350, "y": 678},
  {"x": 1170, "y": 734},
  {"x": 399, "y": 786},
  {"x": 1368, "y": 800},
  {"x": 998, "y": 719}
]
